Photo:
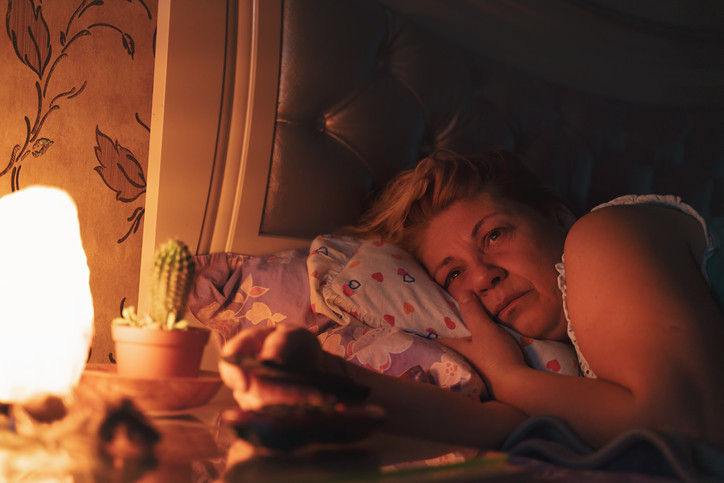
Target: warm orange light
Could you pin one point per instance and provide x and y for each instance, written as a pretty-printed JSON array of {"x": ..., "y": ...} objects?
[{"x": 46, "y": 309}]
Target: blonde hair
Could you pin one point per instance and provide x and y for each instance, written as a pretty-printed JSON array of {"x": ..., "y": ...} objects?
[{"x": 402, "y": 212}]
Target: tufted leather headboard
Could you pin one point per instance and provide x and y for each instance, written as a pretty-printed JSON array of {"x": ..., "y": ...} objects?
[{"x": 365, "y": 91}]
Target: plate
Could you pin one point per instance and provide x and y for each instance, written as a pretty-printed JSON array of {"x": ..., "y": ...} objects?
[
  {"x": 286, "y": 427},
  {"x": 152, "y": 395}
]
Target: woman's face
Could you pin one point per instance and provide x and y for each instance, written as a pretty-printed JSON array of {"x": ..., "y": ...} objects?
[{"x": 504, "y": 252}]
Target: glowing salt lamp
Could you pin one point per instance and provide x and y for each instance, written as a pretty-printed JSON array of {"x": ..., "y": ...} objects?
[{"x": 46, "y": 309}]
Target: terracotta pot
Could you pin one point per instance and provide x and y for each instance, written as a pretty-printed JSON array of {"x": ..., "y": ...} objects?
[{"x": 151, "y": 353}]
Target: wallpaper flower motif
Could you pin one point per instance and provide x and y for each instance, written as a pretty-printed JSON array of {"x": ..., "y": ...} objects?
[
  {"x": 33, "y": 43},
  {"x": 29, "y": 34}
]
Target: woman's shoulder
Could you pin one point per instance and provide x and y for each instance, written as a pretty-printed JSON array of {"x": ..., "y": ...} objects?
[
  {"x": 632, "y": 256},
  {"x": 628, "y": 230}
]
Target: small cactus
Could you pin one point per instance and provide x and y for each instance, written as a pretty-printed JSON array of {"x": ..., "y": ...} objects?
[{"x": 171, "y": 280}]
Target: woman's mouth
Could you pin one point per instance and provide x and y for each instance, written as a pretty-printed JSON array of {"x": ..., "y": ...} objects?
[{"x": 503, "y": 309}]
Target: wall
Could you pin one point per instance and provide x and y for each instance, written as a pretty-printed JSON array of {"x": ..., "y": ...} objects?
[{"x": 76, "y": 113}]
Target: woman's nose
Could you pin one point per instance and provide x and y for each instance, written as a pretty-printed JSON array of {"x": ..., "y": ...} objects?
[{"x": 485, "y": 276}]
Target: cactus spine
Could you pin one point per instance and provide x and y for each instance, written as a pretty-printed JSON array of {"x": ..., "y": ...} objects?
[{"x": 171, "y": 279}]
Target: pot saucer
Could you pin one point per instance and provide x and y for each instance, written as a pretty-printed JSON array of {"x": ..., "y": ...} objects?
[{"x": 171, "y": 394}]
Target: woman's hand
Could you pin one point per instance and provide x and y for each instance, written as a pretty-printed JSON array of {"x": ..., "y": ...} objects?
[
  {"x": 285, "y": 346},
  {"x": 490, "y": 349}
]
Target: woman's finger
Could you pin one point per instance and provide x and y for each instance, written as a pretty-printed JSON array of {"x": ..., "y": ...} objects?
[
  {"x": 476, "y": 318},
  {"x": 247, "y": 343},
  {"x": 293, "y": 347}
]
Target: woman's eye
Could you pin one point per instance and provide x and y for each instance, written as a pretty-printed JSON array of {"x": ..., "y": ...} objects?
[
  {"x": 492, "y": 236},
  {"x": 450, "y": 277}
]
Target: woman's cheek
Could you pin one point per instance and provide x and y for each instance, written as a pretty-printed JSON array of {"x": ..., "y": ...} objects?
[{"x": 459, "y": 290}]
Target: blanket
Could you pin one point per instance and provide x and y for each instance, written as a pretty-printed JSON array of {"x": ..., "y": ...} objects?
[{"x": 640, "y": 451}]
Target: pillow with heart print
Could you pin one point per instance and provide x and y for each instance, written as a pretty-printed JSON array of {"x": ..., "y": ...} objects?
[{"x": 380, "y": 285}]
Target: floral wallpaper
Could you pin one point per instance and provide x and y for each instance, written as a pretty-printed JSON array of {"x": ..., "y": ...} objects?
[{"x": 77, "y": 83}]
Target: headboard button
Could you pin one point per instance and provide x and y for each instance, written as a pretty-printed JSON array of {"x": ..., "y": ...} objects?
[{"x": 321, "y": 124}]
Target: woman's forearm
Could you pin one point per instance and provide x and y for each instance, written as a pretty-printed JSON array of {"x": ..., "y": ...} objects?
[
  {"x": 597, "y": 409},
  {"x": 429, "y": 412}
]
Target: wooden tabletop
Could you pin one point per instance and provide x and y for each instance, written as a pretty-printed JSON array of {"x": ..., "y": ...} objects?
[
  {"x": 94, "y": 443},
  {"x": 198, "y": 447}
]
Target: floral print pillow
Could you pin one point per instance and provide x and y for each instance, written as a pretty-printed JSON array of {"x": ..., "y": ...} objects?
[
  {"x": 392, "y": 351},
  {"x": 232, "y": 292}
]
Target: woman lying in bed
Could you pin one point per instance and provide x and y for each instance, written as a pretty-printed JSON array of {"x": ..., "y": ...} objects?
[{"x": 633, "y": 297}]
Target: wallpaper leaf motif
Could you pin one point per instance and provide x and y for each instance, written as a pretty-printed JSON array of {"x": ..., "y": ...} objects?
[
  {"x": 29, "y": 34},
  {"x": 128, "y": 43},
  {"x": 31, "y": 39},
  {"x": 122, "y": 173},
  {"x": 119, "y": 168}
]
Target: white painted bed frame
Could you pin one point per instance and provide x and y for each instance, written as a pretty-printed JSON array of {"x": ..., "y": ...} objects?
[{"x": 212, "y": 128}]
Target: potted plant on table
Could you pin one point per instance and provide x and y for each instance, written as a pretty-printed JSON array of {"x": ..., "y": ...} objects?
[{"x": 162, "y": 344}]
